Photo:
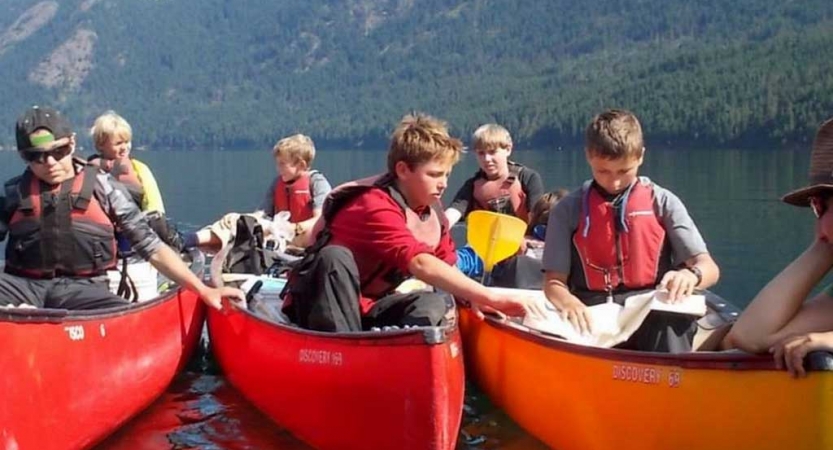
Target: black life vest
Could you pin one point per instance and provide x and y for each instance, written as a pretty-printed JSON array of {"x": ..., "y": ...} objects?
[{"x": 59, "y": 230}]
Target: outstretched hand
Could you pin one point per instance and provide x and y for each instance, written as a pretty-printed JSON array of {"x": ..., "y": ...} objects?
[
  {"x": 789, "y": 354},
  {"x": 213, "y": 297},
  {"x": 517, "y": 305}
]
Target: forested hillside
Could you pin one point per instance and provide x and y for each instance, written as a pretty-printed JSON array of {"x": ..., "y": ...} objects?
[{"x": 210, "y": 73}]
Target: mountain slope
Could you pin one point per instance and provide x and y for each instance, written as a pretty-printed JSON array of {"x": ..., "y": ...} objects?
[{"x": 221, "y": 73}]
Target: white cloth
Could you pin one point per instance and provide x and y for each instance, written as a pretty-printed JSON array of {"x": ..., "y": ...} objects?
[{"x": 612, "y": 323}]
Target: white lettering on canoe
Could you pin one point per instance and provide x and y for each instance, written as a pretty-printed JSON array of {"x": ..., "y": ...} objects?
[
  {"x": 675, "y": 377},
  {"x": 322, "y": 357},
  {"x": 75, "y": 332},
  {"x": 637, "y": 374},
  {"x": 101, "y": 330}
]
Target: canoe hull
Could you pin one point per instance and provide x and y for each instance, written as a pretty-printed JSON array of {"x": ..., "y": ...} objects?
[
  {"x": 576, "y": 398},
  {"x": 391, "y": 390},
  {"x": 72, "y": 378}
]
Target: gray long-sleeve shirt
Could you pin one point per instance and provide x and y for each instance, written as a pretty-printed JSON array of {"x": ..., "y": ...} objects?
[{"x": 122, "y": 211}]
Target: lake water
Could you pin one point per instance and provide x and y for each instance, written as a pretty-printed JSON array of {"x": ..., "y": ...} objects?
[{"x": 731, "y": 194}]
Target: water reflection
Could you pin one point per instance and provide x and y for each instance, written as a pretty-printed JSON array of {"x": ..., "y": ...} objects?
[{"x": 201, "y": 411}]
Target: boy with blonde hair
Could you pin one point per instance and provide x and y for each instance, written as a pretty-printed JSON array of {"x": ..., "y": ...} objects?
[
  {"x": 297, "y": 189},
  {"x": 620, "y": 233},
  {"x": 113, "y": 139},
  {"x": 378, "y": 231},
  {"x": 505, "y": 187},
  {"x": 499, "y": 185}
]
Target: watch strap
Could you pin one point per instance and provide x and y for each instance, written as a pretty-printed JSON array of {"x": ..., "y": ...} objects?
[{"x": 697, "y": 273}]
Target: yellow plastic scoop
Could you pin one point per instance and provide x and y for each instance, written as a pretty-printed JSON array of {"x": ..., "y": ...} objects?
[{"x": 494, "y": 237}]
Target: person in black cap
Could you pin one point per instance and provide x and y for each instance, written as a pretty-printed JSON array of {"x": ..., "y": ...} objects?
[
  {"x": 60, "y": 216},
  {"x": 778, "y": 319}
]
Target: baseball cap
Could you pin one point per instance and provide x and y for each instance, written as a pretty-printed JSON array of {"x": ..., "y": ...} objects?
[{"x": 41, "y": 118}]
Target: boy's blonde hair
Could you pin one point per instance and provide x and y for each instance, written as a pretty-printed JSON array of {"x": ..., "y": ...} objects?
[
  {"x": 420, "y": 138},
  {"x": 108, "y": 125},
  {"x": 490, "y": 137},
  {"x": 614, "y": 134},
  {"x": 298, "y": 147},
  {"x": 541, "y": 209}
]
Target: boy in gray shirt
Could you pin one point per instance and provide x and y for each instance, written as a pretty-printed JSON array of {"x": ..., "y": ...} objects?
[{"x": 621, "y": 233}]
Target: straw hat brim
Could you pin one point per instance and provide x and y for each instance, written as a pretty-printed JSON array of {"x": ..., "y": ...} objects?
[{"x": 801, "y": 197}]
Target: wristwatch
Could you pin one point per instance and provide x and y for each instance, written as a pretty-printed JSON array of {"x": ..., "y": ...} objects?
[{"x": 697, "y": 273}]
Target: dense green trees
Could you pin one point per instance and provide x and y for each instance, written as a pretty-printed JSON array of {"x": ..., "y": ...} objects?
[{"x": 219, "y": 73}]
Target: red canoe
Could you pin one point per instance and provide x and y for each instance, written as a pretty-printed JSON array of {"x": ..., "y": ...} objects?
[
  {"x": 399, "y": 389},
  {"x": 375, "y": 390},
  {"x": 69, "y": 379}
]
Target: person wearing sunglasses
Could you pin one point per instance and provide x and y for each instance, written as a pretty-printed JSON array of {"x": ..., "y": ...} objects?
[
  {"x": 60, "y": 218},
  {"x": 780, "y": 319}
]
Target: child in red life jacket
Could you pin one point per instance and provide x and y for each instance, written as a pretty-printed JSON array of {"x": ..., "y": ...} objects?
[
  {"x": 297, "y": 189},
  {"x": 620, "y": 233},
  {"x": 377, "y": 232}
]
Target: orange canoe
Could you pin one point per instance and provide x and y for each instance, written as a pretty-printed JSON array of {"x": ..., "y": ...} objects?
[{"x": 581, "y": 398}]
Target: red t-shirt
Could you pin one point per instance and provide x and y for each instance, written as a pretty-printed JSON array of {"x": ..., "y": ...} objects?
[{"x": 373, "y": 227}]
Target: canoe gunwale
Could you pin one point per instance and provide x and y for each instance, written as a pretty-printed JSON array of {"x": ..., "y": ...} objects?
[
  {"x": 427, "y": 335},
  {"x": 708, "y": 360}
]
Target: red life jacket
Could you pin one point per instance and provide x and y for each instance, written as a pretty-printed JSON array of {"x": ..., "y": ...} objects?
[
  {"x": 122, "y": 170},
  {"x": 57, "y": 231},
  {"x": 619, "y": 249},
  {"x": 381, "y": 280},
  {"x": 295, "y": 197},
  {"x": 502, "y": 196}
]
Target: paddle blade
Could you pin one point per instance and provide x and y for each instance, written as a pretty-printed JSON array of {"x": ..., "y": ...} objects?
[{"x": 494, "y": 237}]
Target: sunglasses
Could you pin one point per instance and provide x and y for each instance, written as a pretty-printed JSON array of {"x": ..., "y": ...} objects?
[
  {"x": 57, "y": 154},
  {"x": 818, "y": 205}
]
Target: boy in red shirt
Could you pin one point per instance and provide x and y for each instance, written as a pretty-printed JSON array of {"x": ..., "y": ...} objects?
[{"x": 377, "y": 232}]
